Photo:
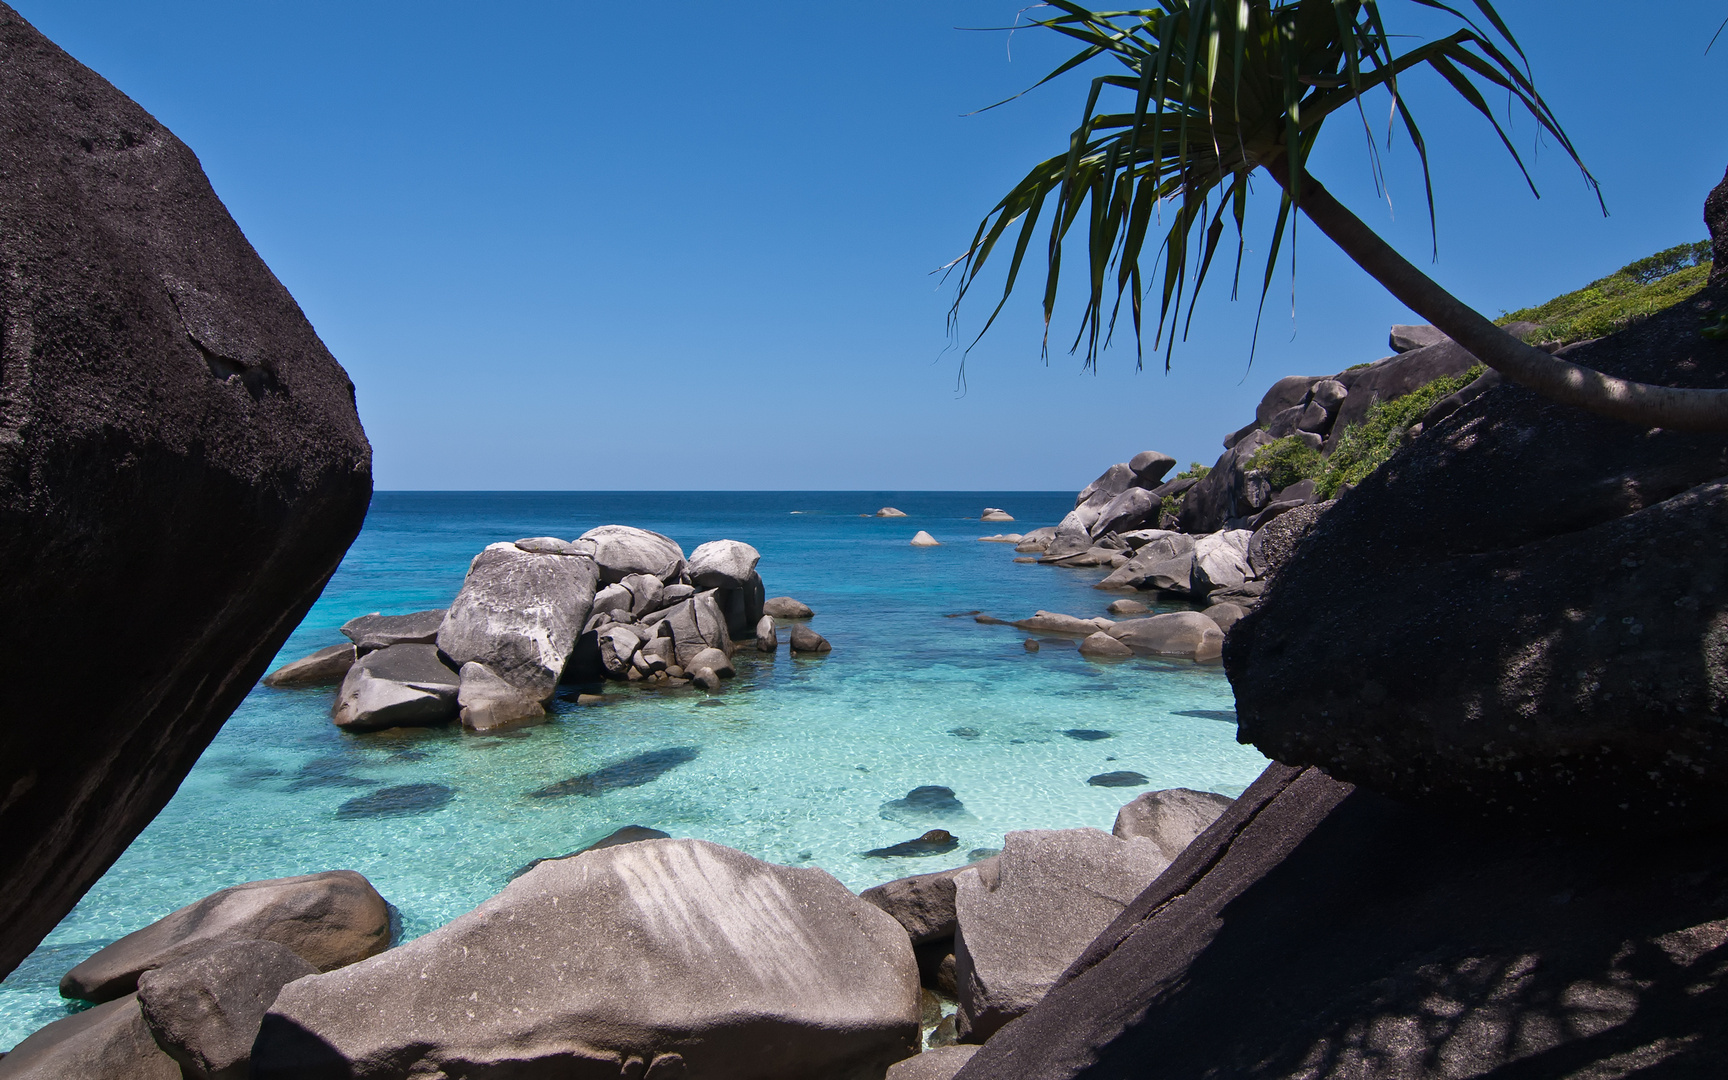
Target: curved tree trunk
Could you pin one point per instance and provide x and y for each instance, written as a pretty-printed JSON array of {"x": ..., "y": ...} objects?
[{"x": 1553, "y": 378}]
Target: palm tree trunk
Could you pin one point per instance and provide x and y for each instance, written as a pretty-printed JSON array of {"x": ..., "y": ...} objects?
[{"x": 1550, "y": 376}]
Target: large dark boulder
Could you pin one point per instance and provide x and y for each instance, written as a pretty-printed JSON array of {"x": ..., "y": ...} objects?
[
  {"x": 1318, "y": 931},
  {"x": 181, "y": 470},
  {"x": 1393, "y": 378},
  {"x": 1523, "y": 614}
]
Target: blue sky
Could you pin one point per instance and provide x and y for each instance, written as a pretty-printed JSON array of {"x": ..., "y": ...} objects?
[{"x": 689, "y": 246}]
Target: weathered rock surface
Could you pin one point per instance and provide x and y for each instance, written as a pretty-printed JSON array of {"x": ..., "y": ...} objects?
[
  {"x": 723, "y": 564},
  {"x": 326, "y": 667},
  {"x": 923, "y": 904},
  {"x": 1054, "y": 622},
  {"x": 204, "y": 1013},
  {"x": 1220, "y": 562},
  {"x": 1115, "y": 480},
  {"x": 401, "y": 686},
  {"x": 1149, "y": 467},
  {"x": 1070, "y": 538},
  {"x": 328, "y": 919},
  {"x": 936, "y": 1063},
  {"x": 767, "y": 638},
  {"x": 924, "y": 539},
  {"x": 1547, "y": 592},
  {"x": 714, "y": 660},
  {"x": 1396, "y": 377},
  {"x": 381, "y": 631},
  {"x": 698, "y": 624},
  {"x": 1175, "y": 633},
  {"x": 1379, "y": 940},
  {"x": 1102, "y": 646},
  {"x": 109, "y": 1042},
  {"x": 622, "y": 550},
  {"x": 1129, "y": 510},
  {"x": 1405, "y": 338},
  {"x": 1273, "y": 543},
  {"x": 889, "y": 511},
  {"x": 992, "y": 513},
  {"x": 784, "y": 607},
  {"x": 1228, "y": 493},
  {"x": 805, "y": 640},
  {"x": 181, "y": 470},
  {"x": 519, "y": 613},
  {"x": 1036, "y": 540},
  {"x": 1024, "y": 920},
  {"x": 1225, "y": 615},
  {"x": 664, "y": 957},
  {"x": 489, "y": 703},
  {"x": 1169, "y": 820},
  {"x": 1127, "y": 607}
]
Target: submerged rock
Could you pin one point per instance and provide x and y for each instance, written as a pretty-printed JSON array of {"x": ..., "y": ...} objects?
[
  {"x": 403, "y": 800},
  {"x": 665, "y": 957},
  {"x": 934, "y": 842},
  {"x": 401, "y": 686},
  {"x": 927, "y": 803},
  {"x": 329, "y": 919},
  {"x": 631, "y": 772},
  {"x": 805, "y": 640},
  {"x": 1118, "y": 779},
  {"x": 326, "y": 667}
]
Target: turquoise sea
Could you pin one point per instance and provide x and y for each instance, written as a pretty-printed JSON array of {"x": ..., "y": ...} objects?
[{"x": 795, "y": 761}]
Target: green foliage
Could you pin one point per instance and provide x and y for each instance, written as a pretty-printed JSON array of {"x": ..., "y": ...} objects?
[
  {"x": 1631, "y": 293},
  {"x": 1207, "y": 92},
  {"x": 1364, "y": 447},
  {"x": 1194, "y": 471},
  {"x": 1287, "y": 461},
  {"x": 1168, "y": 508}
]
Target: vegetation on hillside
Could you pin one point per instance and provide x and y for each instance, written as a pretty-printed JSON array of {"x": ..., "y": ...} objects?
[{"x": 1633, "y": 292}]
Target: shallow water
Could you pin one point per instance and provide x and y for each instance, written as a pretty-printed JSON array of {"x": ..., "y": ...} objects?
[{"x": 794, "y": 762}]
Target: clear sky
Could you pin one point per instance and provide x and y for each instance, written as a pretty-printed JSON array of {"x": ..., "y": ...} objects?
[{"x": 573, "y": 245}]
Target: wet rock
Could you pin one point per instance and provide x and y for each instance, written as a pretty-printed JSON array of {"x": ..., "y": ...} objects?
[
  {"x": 1102, "y": 646},
  {"x": 488, "y": 703},
  {"x": 1052, "y": 893},
  {"x": 784, "y": 607},
  {"x": 1030, "y": 644},
  {"x": 329, "y": 919},
  {"x": 806, "y": 640},
  {"x": 1169, "y": 820},
  {"x": 631, "y": 772},
  {"x": 204, "y": 1013},
  {"x": 183, "y": 466},
  {"x": 1118, "y": 779},
  {"x": 400, "y": 686},
  {"x": 767, "y": 638},
  {"x": 714, "y": 660},
  {"x": 376, "y": 631},
  {"x": 1127, "y": 607},
  {"x": 402, "y": 800},
  {"x": 924, "y": 539},
  {"x": 519, "y": 613},
  {"x": 724, "y": 564},
  {"x": 889, "y": 511},
  {"x": 1176, "y": 633},
  {"x": 739, "y": 968},
  {"x": 934, "y": 842},
  {"x": 326, "y": 667},
  {"x": 109, "y": 1042}
]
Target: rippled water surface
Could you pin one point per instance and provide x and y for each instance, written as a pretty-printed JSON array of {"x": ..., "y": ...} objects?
[{"x": 796, "y": 761}]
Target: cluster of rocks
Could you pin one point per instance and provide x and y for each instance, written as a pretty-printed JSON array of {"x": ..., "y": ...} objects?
[
  {"x": 640, "y": 955},
  {"x": 1191, "y": 635},
  {"x": 616, "y": 603}
]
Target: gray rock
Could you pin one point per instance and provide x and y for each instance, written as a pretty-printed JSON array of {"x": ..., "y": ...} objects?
[
  {"x": 1286, "y": 392},
  {"x": 109, "y": 1042},
  {"x": 1036, "y": 540},
  {"x": 1128, "y": 607},
  {"x": 1169, "y": 820},
  {"x": 924, "y": 539},
  {"x": 382, "y": 631},
  {"x": 551, "y": 545},
  {"x": 784, "y": 607},
  {"x": 673, "y": 594},
  {"x": 183, "y": 470},
  {"x": 705, "y": 677},
  {"x": 1129, "y": 510},
  {"x": 767, "y": 638},
  {"x": 1450, "y": 404},
  {"x": 1241, "y": 433},
  {"x": 617, "y": 645},
  {"x": 1149, "y": 467},
  {"x": 205, "y": 1012},
  {"x": 723, "y": 564},
  {"x": 1285, "y": 422},
  {"x": 1273, "y": 510},
  {"x": 1054, "y": 622},
  {"x": 741, "y": 607},
  {"x": 401, "y": 686},
  {"x": 1153, "y": 568},
  {"x": 889, "y": 511},
  {"x": 936, "y": 1063},
  {"x": 714, "y": 660},
  {"x": 697, "y": 624},
  {"x": 923, "y": 904},
  {"x": 1102, "y": 646},
  {"x": 614, "y": 963},
  {"x": 1225, "y": 615},
  {"x": 1177, "y": 633},
  {"x": 1053, "y": 893},
  {"x": 1071, "y": 537},
  {"x": 1329, "y": 394},
  {"x": 322, "y": 668},
  {"x": 993, "y": 514},
  {"x": 1405, "y": 338},
  {"x": 1273, "y": 543},
  {"x": 1116, "y": 479},
  {"x": 1002, "y": 538},
  {"x": 1302, "y": 492},
  {"x": 615, "y": 600},
  {"x": 1220, "y": 561},
  {"x": 519, "y": 613},
  {"x": 1226, "y": 493},
  {"x": 488, "y": 703},
  {"x": 329, "y": 919},
  {"x": 620, "y": 550},
  {"x": 806, "y": 640},
  {"x": 647, "y": 593}
]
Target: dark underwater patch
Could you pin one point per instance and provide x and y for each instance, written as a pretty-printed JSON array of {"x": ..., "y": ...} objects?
[
  {"x": 629, "y": 773},
  {"x": 403, "y": 800}
]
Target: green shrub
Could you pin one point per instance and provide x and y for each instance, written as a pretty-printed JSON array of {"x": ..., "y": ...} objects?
[
  {"x": 1364, "y": 447},
  {"x": 1168, "y": 508},
  {"x": 1631, "y": 293},
  {"x": 1287, "y": 461},
  {"x": 1194, "y": 471}
]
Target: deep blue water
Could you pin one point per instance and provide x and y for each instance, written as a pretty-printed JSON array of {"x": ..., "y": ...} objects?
[{"x": 793, "y": 762}]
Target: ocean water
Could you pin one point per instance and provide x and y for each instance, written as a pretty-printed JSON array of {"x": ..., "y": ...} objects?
[{"x": 797, "y": 761}]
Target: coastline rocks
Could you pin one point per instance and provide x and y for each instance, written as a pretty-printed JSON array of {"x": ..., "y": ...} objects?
[
  {"x": 697, "y": 624},
  {"x": 1070, "y": 537},
  {"x": 401, "y": 686},
  {"x": 519, "y": 613},
  {"x": 1169, "y": 820},
  {"x": 1127, "y": 607},
  {"x": 1225, "y": 615},
  {"x": 1149, "y": 467},
  {"x": 924, "y": 539},
  {"x": 109, "y": 1042},
  {"x": 805, "y": 640},
  {"x": 936, "y": 1063},
  {"x": 1050, "y": 893},
  {"x": 992, "y": 513},
  {"x": 488, "y": 703},
  {"x": 1114, "y": 481},
  {"x": 1053, "y": 622},
  {"x": 657, "y": 958},
  {"x": 1002, "y": 538},
  {"x": 1404, "y": 338},
  {"x": 183, "y": 465},
  {"x": 1273, "y": 543},
  {"x": 713, "y": 660},
  {"x": 1129, "y": 510},
  {"x": 205, "y": 1012},
  {"x": 923, "y": 904},
  {"x": 1220, "y": 562},
  {"x": 724, "y": 564},
  {"x": 322, "y": 668},
  {"x": 617, "y": 645},
  {"x": 622, "y": 550},
  {"x": 784, "y": 607},
  {"x": 376, "y": 631},
  {"x": 889, "y": 511},
  {"x": 1176, "y": 633},
  {"x": 934, "y": 842},
  {"x": 767, "y": 638},
  {"x": 1226, "y": 493},
  {"x": 329, "y": 919},
  {"x": 1101, "y": 646},
  {"x": 1037, "y": 540}
]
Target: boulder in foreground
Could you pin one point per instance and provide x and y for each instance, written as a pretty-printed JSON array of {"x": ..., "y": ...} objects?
[
  {"x": 675, "y": 955},
  {"x": 329, "y": 919},
  {"x": 204, "y": 1013},
  {"x": 936, "y": 1063},
  {"x": 109, "y": 1042},
  {"x": 519, "y": 613},
  {"x": 404, "y": 685}
]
